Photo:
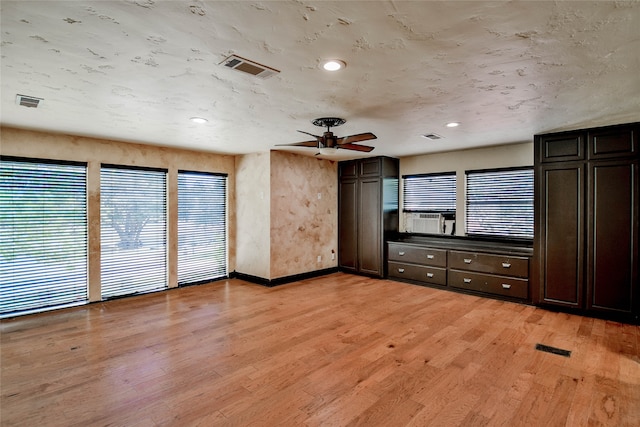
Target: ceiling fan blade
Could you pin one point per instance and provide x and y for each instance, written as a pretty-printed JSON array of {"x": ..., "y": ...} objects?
[
  {"x": 315, "y": 136},
  {"x": 355, "y": 147},
  {"x": 356, "y": 138},
  {"x": 313, "y": 144}
]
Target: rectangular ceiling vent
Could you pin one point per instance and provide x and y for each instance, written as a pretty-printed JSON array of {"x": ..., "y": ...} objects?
[
  {"x": 241, "y": 64},
  {"x": 28, "y": 101},
  {"x": 433, "y": 136}
]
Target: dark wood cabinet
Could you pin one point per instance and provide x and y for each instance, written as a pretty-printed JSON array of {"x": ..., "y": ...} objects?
[
  {"x": 561, "y": 233},
  {"x": 586, "y": 231},
  {"x": 367, "y": 213},
  {"x": 613, "y": 237},
  {"x": 486, "y": 268}
]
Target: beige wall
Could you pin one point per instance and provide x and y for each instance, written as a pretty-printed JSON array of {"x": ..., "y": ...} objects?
[
  {"x": 503, "y": 156},
  {"x": 23, "y": 143},
  {"x": 283, "y": 225},
  {"x": 304, "y": 219},
  {"x": 253, "y": 207}
]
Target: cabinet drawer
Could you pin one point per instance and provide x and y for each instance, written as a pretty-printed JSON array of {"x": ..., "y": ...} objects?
[
  {"x": 418, "y": 255},
  {"x": 505, "y": 265},
  {"x": 421, "y": 273},
  {"x": 497, "y": 285}
]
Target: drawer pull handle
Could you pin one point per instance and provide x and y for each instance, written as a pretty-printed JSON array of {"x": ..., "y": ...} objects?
[
  {"x": 401, "y": 270},
  {"x": 430, "y": 256},
  {"x": 506, "y": 286},
  {"x": 466, "y": 280},
  {"x": 429, "y": 275},
  {"x": 401, "y": 253},
  {"x": 506, "y": 265},
  {"x": 467, "y": 260}
]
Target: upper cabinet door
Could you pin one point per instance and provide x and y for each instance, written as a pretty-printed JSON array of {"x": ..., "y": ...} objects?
[
  {"x": 614, "y": 141},
  {"x": 370, "y": 167},
  {"x": 560, "y": 147},
  {"x": 348, "y": 169}
]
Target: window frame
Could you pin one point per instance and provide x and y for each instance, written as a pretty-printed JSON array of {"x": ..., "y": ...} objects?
[
  {"x": 73, "y": 289},
  {"x": 449, "y": 212},
  {"x": 109, "y": 294},
  {"x": 200, "y": 280},
  {"x": 528, "y": 237}
]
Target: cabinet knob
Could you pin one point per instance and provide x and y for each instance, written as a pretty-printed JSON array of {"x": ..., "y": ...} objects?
[
  {"x": 401, "y": 253},
  {"x": 401, "y": 270},
  {"x": 430, "y": 256},
  {"x": 506, "y": 264},
  {"x": 506, "y": 286},
  {"x": 466, "y": 280},
  {"x": 429, "y": 275},
  {"x": 467, "y": 260}
]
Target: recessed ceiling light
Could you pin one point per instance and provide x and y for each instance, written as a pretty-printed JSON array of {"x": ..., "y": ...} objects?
[
  {"x": 453, "y": 124},
  {"x": 334, "y": 65},
  {"x": 199, "y": 120}
]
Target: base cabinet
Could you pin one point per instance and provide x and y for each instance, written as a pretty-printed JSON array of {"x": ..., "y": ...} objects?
[
  {"x": 587, "y": 219},
  {"x": 487, "y": 269}
]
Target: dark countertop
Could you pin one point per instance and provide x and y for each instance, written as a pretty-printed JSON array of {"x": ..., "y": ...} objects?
[{"x": 499, "y": 246}]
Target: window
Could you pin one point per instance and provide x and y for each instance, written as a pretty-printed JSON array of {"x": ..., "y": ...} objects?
[
  {"x": 202, "y": 228},
  {"x": 430, "y": 193},
  {"x": 133, "y": 230},
  {"x": 43, "y": 234},
  {"x": 500, "y": 203}
]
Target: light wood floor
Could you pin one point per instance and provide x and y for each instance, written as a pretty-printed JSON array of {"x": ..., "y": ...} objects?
[{"x": 332, "y": 351}]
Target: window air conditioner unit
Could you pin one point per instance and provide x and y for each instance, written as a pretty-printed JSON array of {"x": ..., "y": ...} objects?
[{"x": 431, "y": 223}]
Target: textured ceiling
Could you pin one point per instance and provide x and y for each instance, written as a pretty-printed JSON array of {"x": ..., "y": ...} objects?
[{"x": 137, "y": 70}]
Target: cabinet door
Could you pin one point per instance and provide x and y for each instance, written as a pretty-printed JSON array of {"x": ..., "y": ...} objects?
[
  {"x": 562, "y": 234},
  {"x": 370, "y": 167},
  {"x": 370, "y": 226},
  {"x": 613, "y": 236},
  {"x": 348, "y": 225},
  {"x": 613, "y": 141},
  {"x": 560, "y": 147}
]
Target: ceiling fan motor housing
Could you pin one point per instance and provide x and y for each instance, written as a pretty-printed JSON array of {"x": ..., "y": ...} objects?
[{"x": 329, "y": 140}]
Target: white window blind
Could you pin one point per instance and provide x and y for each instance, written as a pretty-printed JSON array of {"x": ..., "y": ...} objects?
[
  {"x": 500, "y": 203},
  {"x": 43, "y": 235},
  {"x": 202, "y": 227},
  {"x": 430, "y": 192},
  {"x": 133, "y": 230}
]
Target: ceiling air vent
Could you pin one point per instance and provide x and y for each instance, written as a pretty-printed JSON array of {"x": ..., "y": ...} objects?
[
  {"x": 433, "y": 136},
  {"x": 28, "y": 101},
  {"x": 241, "y": 64}
]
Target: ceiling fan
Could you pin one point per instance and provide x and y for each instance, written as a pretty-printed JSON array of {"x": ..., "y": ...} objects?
[{"x": 328, "y": 141}]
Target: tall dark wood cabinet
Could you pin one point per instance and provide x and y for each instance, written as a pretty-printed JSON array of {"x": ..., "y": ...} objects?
[
  {"x": 367, "y": 213},
  {"x": 587, "y": 220}
]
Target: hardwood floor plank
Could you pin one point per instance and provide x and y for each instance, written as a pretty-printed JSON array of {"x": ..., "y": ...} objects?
[{"x": 333, "y": 350}]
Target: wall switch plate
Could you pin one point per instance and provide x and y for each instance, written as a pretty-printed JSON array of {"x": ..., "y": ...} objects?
[{"x": 319, "y": 258}]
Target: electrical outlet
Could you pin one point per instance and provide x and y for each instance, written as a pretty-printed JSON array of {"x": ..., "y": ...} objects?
[
  {"x": 319, "y": 258},
  {"x": 319, "y": 196}
]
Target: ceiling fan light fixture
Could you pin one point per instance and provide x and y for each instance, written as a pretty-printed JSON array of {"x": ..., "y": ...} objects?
[
  {"x": 328, "y": 151},
  {"x": 333, "y": 65},
  {"x": 199, "y": 120}
]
